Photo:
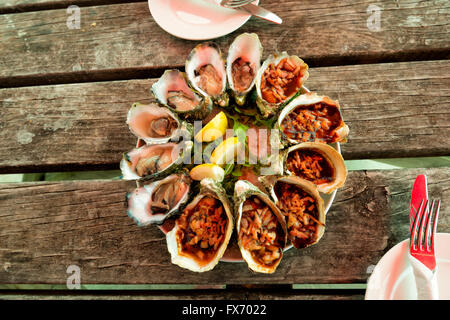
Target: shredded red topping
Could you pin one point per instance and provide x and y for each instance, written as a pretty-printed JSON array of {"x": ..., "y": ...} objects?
[
  {"x": 260, "y": 232},
  {"x": 317, "y": 122},
  {"x": 310, "y": 165},
  {"x": 281, "y": 81},
  {"x": 202, "y": 229},
  {"x": 301, "y": 213}
]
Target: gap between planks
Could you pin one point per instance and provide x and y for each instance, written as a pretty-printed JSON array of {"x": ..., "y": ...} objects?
[{"x": 190, "y": 294}]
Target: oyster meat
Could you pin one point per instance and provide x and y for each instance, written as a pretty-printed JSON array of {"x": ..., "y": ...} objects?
[
  {"x": 155, "y": 124},
  {"x": 202, "y": 232},
  {"x": 205, "y": 70},
  {"x": 261, "y": 228},
  {"x": 316, "y": 162},
  {"x": 302, "y": 206},
  {"x": 156, "y": 160},
  {"x": 279, "y": 79},
  {"x": 311, "y": 117},
  {"x": 158, "y": 200},
  {"x": 173, "y": 91},
  {"x": 243, "y": 62}
]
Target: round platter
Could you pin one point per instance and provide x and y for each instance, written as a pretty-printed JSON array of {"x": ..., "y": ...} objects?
[{"x": 282, "y": 125}]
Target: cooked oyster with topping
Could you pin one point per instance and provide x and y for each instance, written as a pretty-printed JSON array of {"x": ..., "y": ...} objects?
[
  {"x": 155, "y": 124},
  {"x": 301, "y": 204},
  {"x": 202, "y": 232},
  {"x": 279, "y": 79},
  {"x": 153, "y": 161},
  {"x": 243, "y": 62},
  {"x": 205, "y": 70},
  {"x": 311, "y": 117},
  {"x": 261, "y": 228},
  {"x": 316, "y": 162},
  {"x": 160, "y": 199},
  {"x": 172, "y": 91}
]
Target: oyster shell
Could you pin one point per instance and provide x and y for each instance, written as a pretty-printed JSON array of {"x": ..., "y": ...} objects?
[
  {"x": 173, "y": 91},
  {"x": 191, "y": 246},
  {"x": 155, "y": 124},
  {"x": 322, "y": 120},
  {"x": 152, "y": 161},
  {"x": 158, "y": 200},
  {"x": 260, "y": 226},
  {"x": 279, "y": 79},
  {"x": 205, "y": 70},
  {"x": 301, "y": 204},
  {"x": 243, "y": 62},
  {"x": 316, "y": 162}
]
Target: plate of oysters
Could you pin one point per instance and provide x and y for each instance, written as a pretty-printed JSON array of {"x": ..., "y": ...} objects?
[{"x": 236, "y": 160}]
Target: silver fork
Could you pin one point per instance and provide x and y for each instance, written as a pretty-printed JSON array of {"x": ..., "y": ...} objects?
[
  {"x": 234, "y": 3},
  {"x": 422, "y": 256},
  {"x": 422, "y": 234},
  {"x": 254, "y": 10}
]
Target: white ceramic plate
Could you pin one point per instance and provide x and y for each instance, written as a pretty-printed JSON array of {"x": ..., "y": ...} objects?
[
  {"x": 393, "y": 277},
  {"x": 196, "y": 19}
]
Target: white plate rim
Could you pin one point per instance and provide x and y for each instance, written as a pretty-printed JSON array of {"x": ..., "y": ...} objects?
[{"x": 372, "y": 293}]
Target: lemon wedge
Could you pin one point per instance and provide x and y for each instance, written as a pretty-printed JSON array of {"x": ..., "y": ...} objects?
[
  {"x": 214, "y": 129},
  {"x": 225, "y": 151},
  {"x": 207, "y": 170}
]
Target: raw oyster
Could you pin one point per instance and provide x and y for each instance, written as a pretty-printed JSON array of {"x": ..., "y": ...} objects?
[
  {"x": 311, "y": 117},
  {"x": 206, "y": 73},
  {"x": 158, "y": 200},
  {"x": 173, "y": 91},
  {"x": 152, "y": 161},
  {"x": 202, "y": 232},
  {"x": 279, "y": 79},
  {"x": 155, "y": 124},
  {"x": 316, "y": 162},
  {"x": 301, "y": 204},
  {"x": 261, "y": 228},
  {"x": 243, "y": 62}
]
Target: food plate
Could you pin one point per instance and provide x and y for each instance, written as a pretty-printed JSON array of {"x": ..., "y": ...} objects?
[
  {"x": 393, "y": 277},
  {"x": 222, "y": 203},
  {"x": 196, "y": 19}
]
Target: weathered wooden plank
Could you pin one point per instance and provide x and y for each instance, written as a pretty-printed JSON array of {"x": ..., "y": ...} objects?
[
  {"x": 122, "y": 39},
  {"x": 249, "y": 294},
  {"x": 393, "y": 110},
  {"x": 80, "y": 125},
  {"x": 46, "y": 227}
]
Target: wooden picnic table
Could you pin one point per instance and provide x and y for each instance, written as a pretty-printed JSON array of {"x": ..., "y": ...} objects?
[{"x": 63, "y": 102}]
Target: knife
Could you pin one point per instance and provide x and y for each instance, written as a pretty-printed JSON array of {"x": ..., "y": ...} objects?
[
  {"x": 261, "y": 13},
  {"x": 419, "y": 194}
]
